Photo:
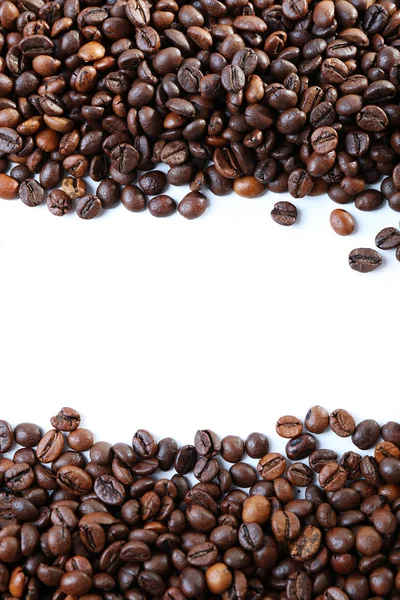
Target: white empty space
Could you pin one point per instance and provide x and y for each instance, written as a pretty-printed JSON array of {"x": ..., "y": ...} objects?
[{"x": 226, "y": 322}]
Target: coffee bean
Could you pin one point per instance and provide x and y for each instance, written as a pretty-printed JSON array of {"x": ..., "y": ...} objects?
[
  {"x": 284, "y": 213},
  {"x": 10, "y": 141},
  {"x": 271, "y": 466},
  {"x": 300, "y": 446},
  {"x": 8, "y": 187},
  {"x": 366, "y": 434},
  {"x": 388, "y": 238},
  {"x": 319, "y": 458},
  {"x": 364, "y": 260},
  {"x": 289, "y": 426},
  {"x": 88, "y": 207},
  {"x": 108, "y": 193},
  {"x": 74, "y": 188},
  {"x": 317, "y": 419},
  {"x": 59, "y": 203},
  {"x": 162, "y": 206},
  {"x": 300, "y": 183},
  {"x": 193, "y": 205},
  {"x": 324, "y": 139},
  {"x": 31, "y": 192},
  {"x": 332, "y": 477},
  {"x": 67, "y": 419},
  {"x": 342, "y": 423},
  {"x": 6, "y": 437},
  {"x": 342, "y": 222},
  {"x": 133, "y": 198}
]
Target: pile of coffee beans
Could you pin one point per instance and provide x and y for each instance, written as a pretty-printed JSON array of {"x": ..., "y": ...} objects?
[
  {"x": 88, "y": 520},
  {"x": 246, "y": 95}
]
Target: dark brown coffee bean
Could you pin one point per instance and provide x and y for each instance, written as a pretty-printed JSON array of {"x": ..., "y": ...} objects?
[
  {"x": 324, "y": 139},
  {"x": 366, "y": 434},
  {"x": 284, "y": 213},
  {"x": 388, "y": 238},
  {"x": 319, "y": 458},
  {"x": 193, "y": 205},
  {"x": 88, "y": 207},
  {"x": 364, "y": 260},
  {"x": 162, "y": 206},
  {"x": 300, "y": 183},
  {"x": 301, "y": 446},
  {"x": 342, "y": 423},
  {"x": 67, "y": 419},
  {"x": 59, "y": 203},
  {"x": 332, "y": 477},
  {"x": 10, "y": 141}
]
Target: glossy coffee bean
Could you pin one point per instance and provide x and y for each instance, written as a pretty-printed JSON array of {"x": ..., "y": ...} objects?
[
  {"x": 317, "y": 419},
  {"x": 284, "y": 213},
  {"x": 342, "y": 222}
]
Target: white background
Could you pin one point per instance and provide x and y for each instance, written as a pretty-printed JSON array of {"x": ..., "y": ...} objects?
[{"x": 226, "y": 322}]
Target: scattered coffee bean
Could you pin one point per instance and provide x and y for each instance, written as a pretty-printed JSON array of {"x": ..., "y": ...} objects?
[
  {"x": 388, "y": 238},
  {"x": 317, "y": 419},
  {"x": 88, "y": 207},
  {"x": 342, "y": 222},
  {"x": 284, "y": 213},
  {"x": 31, "y": 192},
  {"x": 193, "y": 205},
  {"x": 364, "y": 260}
]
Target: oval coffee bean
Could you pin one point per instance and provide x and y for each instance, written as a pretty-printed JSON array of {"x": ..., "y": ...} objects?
[{"x": 364, "y": 260}]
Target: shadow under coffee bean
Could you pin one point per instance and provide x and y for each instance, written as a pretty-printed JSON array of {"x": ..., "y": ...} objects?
[
  {"x": 291, "y": 97},
  {"x": 151, "y": 519}
]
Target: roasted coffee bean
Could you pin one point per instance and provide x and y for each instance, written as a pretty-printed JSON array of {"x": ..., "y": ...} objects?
[
  {"x": 342, "y": 423},
  {"x": 6, "y": 437},
  {"x": 388, "y": 238},
  {"x": 285, "y": 525},
  {"x": 8, "y": 187},
  {"x": 67, "y": 419},
  {"x": 271, "y": 466},
  {"x": 364, "y": 260},
  {"x": 133, "y": 198},
  {"x": 300, "y": 447},
  {"x": 162, "y": 206},
  {"x": 332, "y": 477},
  {"x": 369, "y": 200},
  {"x": 88, "y": 207},
  {"x": 153, "y": 183},
  {"x": 289, "y": 426},
  {"x": 74, "y": 188},
  {"x": 324, "y": 139},
  {"x": 257, "y": 445},
  {"x": 366, "y": 434},
  {"x": 284, "y": 213},
  {"x": 317, "y": 419},
  {"x": 108, "y": 192},
  {"x": 193, "y": 205},
  {"x": 59, "y": 203},
  {"x": 319, "y": 458},
  {"x": 342, "y": 222},
  {"x": 31, "y": 192}
]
